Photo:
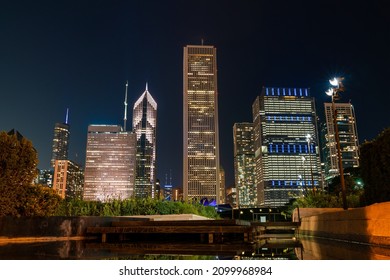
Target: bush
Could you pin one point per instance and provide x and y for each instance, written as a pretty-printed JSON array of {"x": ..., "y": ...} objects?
[{"x": 132, "y": 207}]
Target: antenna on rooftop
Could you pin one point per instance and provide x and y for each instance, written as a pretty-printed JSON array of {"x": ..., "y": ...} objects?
[
  {"x": 67, "y": 116},
  {"x": 125, "y": 116}
]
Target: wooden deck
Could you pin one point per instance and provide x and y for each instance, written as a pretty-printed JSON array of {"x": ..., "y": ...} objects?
[
  {"x": 213, "y": 230},
  {"x": 210, "y": 231}
]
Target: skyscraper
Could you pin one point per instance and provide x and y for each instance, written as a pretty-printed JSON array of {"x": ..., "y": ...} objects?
[
  {"x": 349, "y": 142},
  {"x": 60, "y": 140},
  {"x": 244, "y": 164},
  {"x": 110, "y": 163},
  {"x": 200, "y": 124},
  {"x": 68, "y": 179},
  {"x": 144, "y": 126},
  {"x": 286, "y": 145},
  {"x": 222, "y": 185}
]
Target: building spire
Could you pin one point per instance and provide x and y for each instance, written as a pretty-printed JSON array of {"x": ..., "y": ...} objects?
[
  {"x": 146, "y": 88},
  {"x": 67, "y": 116},
  {"x": 125, "y": 116}
]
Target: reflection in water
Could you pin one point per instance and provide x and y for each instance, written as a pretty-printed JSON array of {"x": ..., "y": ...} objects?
[
  {"x": 325, "y": 249},
  {"x": 306, "y": 249}
]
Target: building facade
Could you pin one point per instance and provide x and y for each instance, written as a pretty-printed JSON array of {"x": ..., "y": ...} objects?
[
  {"x": 45, "y": 177},
  {"x": 244, "y": 164},
  {"x": 110, "y": 163},
  {"x": 222, "y": 185},
  {"x": 287, "y": 154},
  {"x": 200, "y": 124},
  {"x": 348, "y": 135},
  {"x": 68, "y": 179},
  {"x": 60, "y": 142},
  {"x": 144, "y": 126}
]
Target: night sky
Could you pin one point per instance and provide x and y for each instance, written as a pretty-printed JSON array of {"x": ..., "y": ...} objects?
[{"x": 78, "y": 55}]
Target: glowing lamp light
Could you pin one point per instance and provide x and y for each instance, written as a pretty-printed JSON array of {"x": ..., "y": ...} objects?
[
  {"x": 329, "y": 92},
  {"x": 334, "y": 82}
]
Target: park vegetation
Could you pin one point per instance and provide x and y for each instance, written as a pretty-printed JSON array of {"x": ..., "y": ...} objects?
[
  {"x": 19, "y": 196},
  {"x": 368, "y": 184}
]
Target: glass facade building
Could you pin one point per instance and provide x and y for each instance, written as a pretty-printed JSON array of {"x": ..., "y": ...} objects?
[
  {"x": 200, "y": 124},
  {"x": 144, "y": 126},
  {"x": 287, "y": 161},
  {"x": 109, "y": 164},
  {"x": 60, "y": 142},
  {"x": 348, "y": 135},
  {"x": 244, "y": 164}
]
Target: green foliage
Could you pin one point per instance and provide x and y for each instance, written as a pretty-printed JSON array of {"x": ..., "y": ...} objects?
[
  {"x": 132, "y": 206},
  {"x": 18, "y": 162},
  {"x": 375, "y": 168},
  {"x": 38, "y": 201},
  {"x": 321, "y": 199}
]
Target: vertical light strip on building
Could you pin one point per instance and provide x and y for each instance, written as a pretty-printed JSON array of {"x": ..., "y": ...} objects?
[{"x": 200, "y": 124}]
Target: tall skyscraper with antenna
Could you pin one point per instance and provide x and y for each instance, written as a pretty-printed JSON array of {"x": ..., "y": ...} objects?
[
  {"x": 200, "y": 124},
  {"x": 125, "y": 103},
  {"x": 110, "y": 161},
  {"x": 60, "y": 145},
  {"x": 144, "y": 126}
]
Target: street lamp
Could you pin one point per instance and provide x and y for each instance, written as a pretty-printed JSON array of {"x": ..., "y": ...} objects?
[
  {"x": 337, "y": 86},
  {"x": 308, "y": 139},
  {"x": 304, "y": 172}
]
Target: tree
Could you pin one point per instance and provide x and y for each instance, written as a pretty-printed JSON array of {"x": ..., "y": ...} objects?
[
  {"x": 18, "y": 168},
  {"x": 375, "y": 168},
  {"x": 18, "y": 159}
]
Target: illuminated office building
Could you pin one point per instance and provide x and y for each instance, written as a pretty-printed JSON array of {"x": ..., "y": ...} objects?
[
  {"x": 144, "y": 126},
  {"x": 349, "y": 142},
  {"x": 200, "y": 124},
  {"x": 60, "y": 140},
  {"x": 44, "y": 177},
  {"x": 68, "y": 179},
  {"x": 109, "y": 164},
  {"x": 287, "y": 161},
  {"x": 222, "y": 185},
  {"x": 244, "y": 164}
]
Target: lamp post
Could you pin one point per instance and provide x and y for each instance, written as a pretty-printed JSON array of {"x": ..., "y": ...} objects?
[
  {"x": 337, "y": 86},
  {"x": 304, "y": 173},
  {"x": 308, "y": 139}
]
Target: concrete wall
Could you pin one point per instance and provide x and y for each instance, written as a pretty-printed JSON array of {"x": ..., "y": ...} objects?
[
  {"x": 67, "y": 227},
  {"x": 22, "y": 227},
  {"x": 369, "y": 224}
]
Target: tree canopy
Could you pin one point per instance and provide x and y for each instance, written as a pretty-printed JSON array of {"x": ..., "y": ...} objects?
[
  {"x": 18, "y": 168},
  {"x": 375, "y": 168}
]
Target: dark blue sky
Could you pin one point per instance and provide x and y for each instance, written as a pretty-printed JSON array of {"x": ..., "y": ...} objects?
[{"x": 79, "y": 54}]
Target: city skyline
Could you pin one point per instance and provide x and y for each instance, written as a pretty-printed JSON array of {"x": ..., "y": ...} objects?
[{"x": 79, "y": 55}]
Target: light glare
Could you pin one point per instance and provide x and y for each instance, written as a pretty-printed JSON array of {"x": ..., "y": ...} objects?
[
  {"x": 329, "y": 92},
  {"x": 334, "y": 82}
]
